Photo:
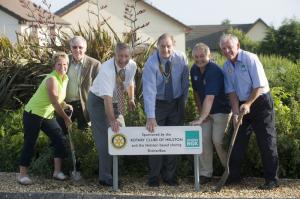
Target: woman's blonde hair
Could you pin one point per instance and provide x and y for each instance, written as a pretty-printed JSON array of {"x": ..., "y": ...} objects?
[
  {"x": 59, "y": 55},
  {"x": 201, "y": 46}
]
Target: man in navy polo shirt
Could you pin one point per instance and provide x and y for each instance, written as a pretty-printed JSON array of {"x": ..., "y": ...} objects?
[
  {"x": 249, "y": 92},
  {"x": 213, "y": 107}
]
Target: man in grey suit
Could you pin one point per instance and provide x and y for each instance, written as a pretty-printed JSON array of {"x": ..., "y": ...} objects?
[
  {"x": 105, "y": 105},
  {"x": 165, "y": 91},
  {"x": 82, "y": 72}
]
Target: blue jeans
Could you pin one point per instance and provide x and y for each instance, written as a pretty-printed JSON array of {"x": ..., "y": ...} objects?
[{"x": 32, "y": 125}]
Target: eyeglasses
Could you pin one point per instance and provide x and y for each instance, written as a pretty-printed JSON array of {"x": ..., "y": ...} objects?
[{"x": 75, "y": 47}]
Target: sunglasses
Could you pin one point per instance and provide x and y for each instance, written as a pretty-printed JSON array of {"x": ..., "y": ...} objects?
[{"x": 75, "y": 47}]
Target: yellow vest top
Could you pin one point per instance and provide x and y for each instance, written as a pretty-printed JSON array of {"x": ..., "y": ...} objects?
[{"x": 40, "y": 103}]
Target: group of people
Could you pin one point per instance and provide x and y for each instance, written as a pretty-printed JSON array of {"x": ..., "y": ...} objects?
[{"x": 94, "y": 93}]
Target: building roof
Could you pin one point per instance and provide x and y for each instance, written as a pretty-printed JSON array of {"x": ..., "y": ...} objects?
[
  {"x": 76, "y": 3},
  {"x": 187, "y": 28},
  {"x": 15, "y": 9},
  {"x": 210, "y": 34}
]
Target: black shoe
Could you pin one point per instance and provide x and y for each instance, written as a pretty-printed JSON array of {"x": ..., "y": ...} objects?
[
  {"x": 233, "y": 181},
  {"x": 106, "y": 184},
  {"x": 204, "y": 179},
  {"x": 171, "y": 182},
  {"x": 153, "y": 182},
  {"x": 269, "y": 185}
]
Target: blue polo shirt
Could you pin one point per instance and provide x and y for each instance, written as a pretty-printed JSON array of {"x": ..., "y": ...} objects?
[
  {"x": 245, "y": 75},
  {"x": 211, "y": 82}
]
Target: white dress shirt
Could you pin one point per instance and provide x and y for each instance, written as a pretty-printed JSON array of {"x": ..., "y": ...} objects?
[{"x": 105, "y": 82}]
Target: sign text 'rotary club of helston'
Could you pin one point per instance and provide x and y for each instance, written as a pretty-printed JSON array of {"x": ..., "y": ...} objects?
[{"x": 165, "y": 140}]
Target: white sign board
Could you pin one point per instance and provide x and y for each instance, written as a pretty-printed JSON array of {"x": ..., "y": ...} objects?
[{"x": 165, "y": 140}]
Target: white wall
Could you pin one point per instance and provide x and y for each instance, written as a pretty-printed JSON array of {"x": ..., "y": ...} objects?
[
  {"x": 159, "y": 23},
  {"x": 8, "y": 26},
  {"x": 257, "y": 32}
]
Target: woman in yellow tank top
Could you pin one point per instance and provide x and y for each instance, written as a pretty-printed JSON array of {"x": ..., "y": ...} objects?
[{"x": 39, "y": 115}]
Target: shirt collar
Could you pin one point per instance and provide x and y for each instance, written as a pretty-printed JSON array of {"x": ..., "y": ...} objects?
[
  {"x": 118, "y": 67},
  {"x": 240, "y": 54},
  {"x": 81, "y": 61},
  {"x": 239, "y": 58},
  {"x": 164, "y": 60},
  {"x": 58, "y": 77}
]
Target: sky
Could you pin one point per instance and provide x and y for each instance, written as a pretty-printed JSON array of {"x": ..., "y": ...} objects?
[{"x": 205, "y": 12}]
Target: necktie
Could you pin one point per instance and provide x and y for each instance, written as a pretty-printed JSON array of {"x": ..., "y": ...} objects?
[
  {"x": 168, "y": 82},
  {"x": 120, "y": 91}
]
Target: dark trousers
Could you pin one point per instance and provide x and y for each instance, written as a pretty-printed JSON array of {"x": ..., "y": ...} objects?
[
  {"x": 32, "y": 125},
  {"x": 76, "y": 115},
  {"x": 166, "y": 114},
  {"x": 261, "y": 120},
  {"x": 96, "y": 110}
]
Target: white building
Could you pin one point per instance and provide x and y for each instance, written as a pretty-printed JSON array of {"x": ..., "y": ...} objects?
[
  {"x": 77, "y": 12},
  {"x": 27, "y": 18}
]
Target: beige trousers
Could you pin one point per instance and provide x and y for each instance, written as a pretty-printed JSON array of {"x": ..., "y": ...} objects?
[{"x": 212, "y": 135}]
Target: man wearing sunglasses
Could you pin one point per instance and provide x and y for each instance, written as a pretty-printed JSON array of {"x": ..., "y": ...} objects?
[{"x": 82, "y": 72}]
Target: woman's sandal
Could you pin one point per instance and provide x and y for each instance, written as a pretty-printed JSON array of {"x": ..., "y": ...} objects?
[
  {"x": 25, "y": 180},
  {"x": 59, "y": 176}
]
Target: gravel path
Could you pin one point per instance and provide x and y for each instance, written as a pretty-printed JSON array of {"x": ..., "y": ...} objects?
[{"x": 131, "y": 186}]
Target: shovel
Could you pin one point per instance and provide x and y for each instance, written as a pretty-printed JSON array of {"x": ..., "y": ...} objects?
[
  {"x": 75, "y": 175},
  {"x": 226, "y": 172}
]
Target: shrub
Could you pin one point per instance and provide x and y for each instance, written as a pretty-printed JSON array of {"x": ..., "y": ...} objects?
[
  {"x": 284, "y": 42},
  {"x": 21, "y": 69},
  {"x": 85, "y": 152},
  {"x": 282, "y": 72},
  {"x": 11, "y": 140}
]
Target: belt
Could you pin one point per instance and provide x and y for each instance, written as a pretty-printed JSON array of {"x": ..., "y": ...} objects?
[
  {"x": 96, "y": 96},
  {"x": 169, "y": 101},
  {"x": 262, "y": 95}
]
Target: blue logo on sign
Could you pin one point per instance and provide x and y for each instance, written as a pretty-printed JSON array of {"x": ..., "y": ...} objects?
[{"x": 192, "y": 139}]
